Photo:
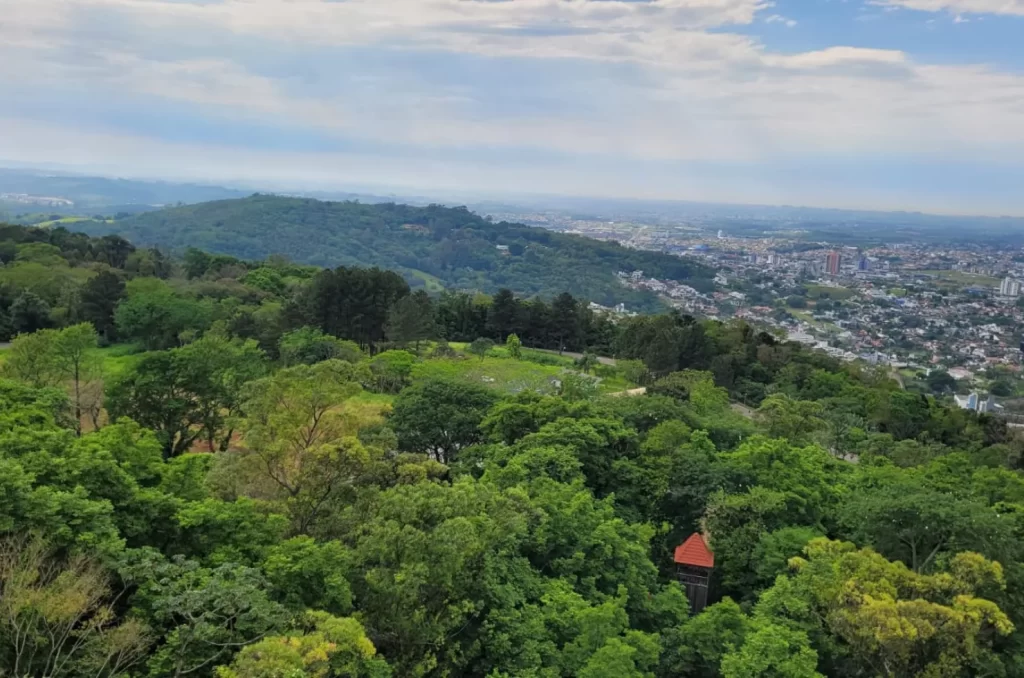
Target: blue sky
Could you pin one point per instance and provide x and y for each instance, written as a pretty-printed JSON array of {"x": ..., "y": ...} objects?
[{"x": 903, "y": 104}]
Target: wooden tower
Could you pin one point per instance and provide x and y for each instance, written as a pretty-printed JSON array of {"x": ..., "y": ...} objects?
[{"x": 694, "y": 562}]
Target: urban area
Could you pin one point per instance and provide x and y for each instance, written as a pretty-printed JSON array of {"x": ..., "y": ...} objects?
[{"x": 942, "y": 319}]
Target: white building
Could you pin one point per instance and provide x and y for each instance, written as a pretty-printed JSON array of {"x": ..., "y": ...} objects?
[
  {"x": 975, "y": 402},
  {"x": 1009, "y": 287}
]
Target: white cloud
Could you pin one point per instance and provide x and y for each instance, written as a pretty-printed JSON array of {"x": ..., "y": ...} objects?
[
  {"x": 642, "y": 80},
  {"x": 779, "y": 19},
  {"x": 959, "y": 7}
]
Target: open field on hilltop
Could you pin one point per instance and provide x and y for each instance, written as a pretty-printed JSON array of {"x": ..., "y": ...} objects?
[
  {"x": 965, "y": 279},
  {"x": 536, "y": 370},
  {"x": 67, "y": 221},
  {"x": 809, "y": 318},
  {"x": 431, "y": 283}
]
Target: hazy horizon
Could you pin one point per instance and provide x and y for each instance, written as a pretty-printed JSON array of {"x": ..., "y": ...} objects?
[{"x": 522, "y": 200}]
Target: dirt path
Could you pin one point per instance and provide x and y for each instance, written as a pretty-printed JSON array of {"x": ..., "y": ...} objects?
[
  {"x": 630, "y": 393},
  {"x": 742, "y": 409},
  {"x": 576, "y": 356}
]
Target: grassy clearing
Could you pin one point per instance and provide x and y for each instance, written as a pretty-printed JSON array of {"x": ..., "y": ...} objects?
[
  {"x": 64, "y": 221},
  {"x": 431, "y": 284},
  {"x": 535, "y": 370},
  {"x": 510, "y": 376},
  {"x": 965, "y": 279},
  {"x": 808, "y": 318},
  {"x": 119, "y": 358}
]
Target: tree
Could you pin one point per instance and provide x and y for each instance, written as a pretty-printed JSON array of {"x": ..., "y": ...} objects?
[
  {"x": 204, "y": 614},
  {"x": 634, "y": 371},
  {"x": 59, "y": 357},
  {"x": 696, "y": 647},
  {"x": 1002, "y": 388},
  {"x": 880, "y": 618},
  {"x": 586, "y": 362},
  {"x": 100, "y": 296},
  {"x": 158, "y": 395},
  {"x": 75, "y": 360},
  {"x": 941, "y": 382},
  {"x": 502, "y": 315},
  {"x": 514, "y": 346},
  {"x": 575, "y": 386},
  {"x": 297, "y": 428},
  {"x": 32, "y": 359},
  {"x": 705, "y": 397},
  {"x": 307, "y": 346},
  {"x": 218, "y": 368},
  {"x": 799, "y": 421},
  {"x": 351, "y": 303},
  {"x": 772, "y": 651},
  {"x": 481, "y": 346},
  {"x": 306, "y": 574},
  {"x": 58, "y": 615},
  {"x": 29, "y": 313},
  {"x": 390, "y": 371},
  {"x": 153, "y": 314},
  {"x": 321, "y": 647},
  {"x": 565, "y": 313},
  {"x": 411, "y": 320},
  {"x": 113, "y": 250},
  {"x": 187, "y": 394},
  {"x": 673, "y": 385},
  {"x": 440, "y": 417},
  {"x": 916, "y": 524}
]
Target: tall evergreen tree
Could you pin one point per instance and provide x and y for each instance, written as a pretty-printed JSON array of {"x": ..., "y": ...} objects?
[{"x": 98, "y": 301}]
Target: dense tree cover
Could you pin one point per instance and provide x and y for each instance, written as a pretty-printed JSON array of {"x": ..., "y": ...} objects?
[
  {"x": 473, "y": 534},
  {"x": 269, "y": 487},
  {"x": 450, "y": 245}
]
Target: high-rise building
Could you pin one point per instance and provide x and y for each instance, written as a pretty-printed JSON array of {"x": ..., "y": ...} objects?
[
  {"x": 832, "y": 263},
  {"x": 1009, "y": 287},
  {"x": 864, "y": 264}
]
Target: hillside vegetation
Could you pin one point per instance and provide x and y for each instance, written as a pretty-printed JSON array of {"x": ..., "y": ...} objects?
[
  {"x": 218, "y": 468},
  {"x": 450, "y": 246}
]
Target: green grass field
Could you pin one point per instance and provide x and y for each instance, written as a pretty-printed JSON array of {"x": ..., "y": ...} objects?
[
  {"x": 64, "y": 221},
  {"x": 965, "y": 279},
  {"x": 535, "y": 370},
  {"x": 431, "y": 283},
  {"x": 808, "y": 318}
]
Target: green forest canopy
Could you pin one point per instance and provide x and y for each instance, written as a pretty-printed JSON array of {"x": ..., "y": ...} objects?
[{"x": 264, "y": 479}]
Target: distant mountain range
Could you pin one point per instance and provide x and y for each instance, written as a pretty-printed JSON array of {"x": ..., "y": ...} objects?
[
  {"x": 99, "y": 194},
  {"x": 432, "y": 246}
]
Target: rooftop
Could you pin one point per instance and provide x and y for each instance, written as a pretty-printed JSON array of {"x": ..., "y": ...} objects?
[{"x": 694, "y": 552}]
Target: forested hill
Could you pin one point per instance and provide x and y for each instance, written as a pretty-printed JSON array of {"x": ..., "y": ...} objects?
[{"x": 434, "y": 245}]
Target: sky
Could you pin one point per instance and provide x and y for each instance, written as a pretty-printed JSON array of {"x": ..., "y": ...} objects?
[{"x": 875, "y": 104}]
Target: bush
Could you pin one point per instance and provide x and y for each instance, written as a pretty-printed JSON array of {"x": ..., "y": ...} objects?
[
  {"x": 481, "y": 347},
  {"x": 675, "y": 385},
  {"x": 308, "y": 346}
]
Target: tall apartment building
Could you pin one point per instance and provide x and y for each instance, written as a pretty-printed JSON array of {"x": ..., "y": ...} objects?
[
  {"x": 832, "y": 263},
  {"x": 1009, "y": 287}
]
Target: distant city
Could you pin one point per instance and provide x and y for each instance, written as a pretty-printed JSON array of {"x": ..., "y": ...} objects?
[{"x": 914, "y": 308}]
